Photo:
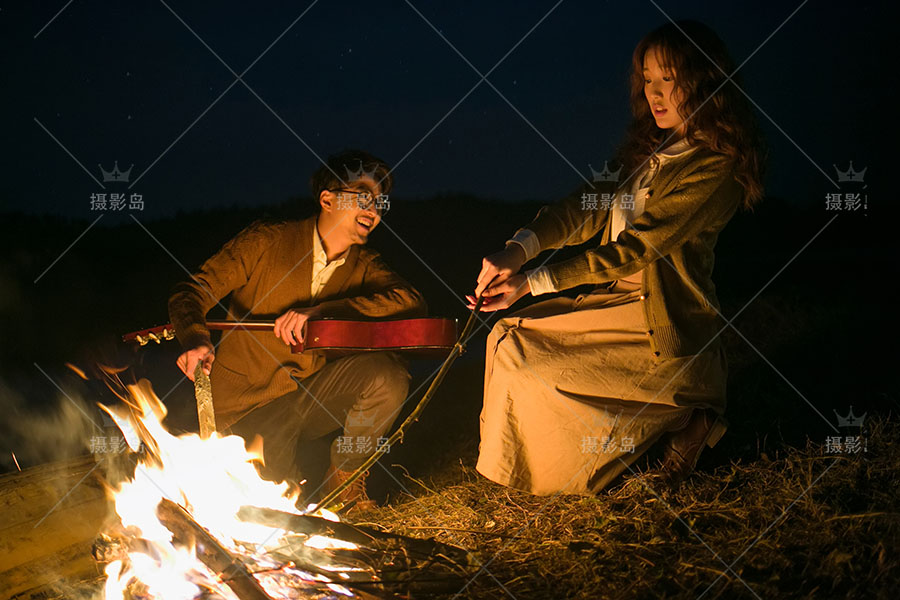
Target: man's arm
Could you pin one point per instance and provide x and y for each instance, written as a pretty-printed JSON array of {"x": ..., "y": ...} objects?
[
  {"x": 225, "y": 271},
  {"x": 385, "y": 294}
]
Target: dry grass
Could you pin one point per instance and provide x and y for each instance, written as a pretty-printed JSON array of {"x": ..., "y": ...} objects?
[{"x": 803, "y": 525}]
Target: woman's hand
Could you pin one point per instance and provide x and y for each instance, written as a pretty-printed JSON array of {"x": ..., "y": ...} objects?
[
  {"x": 499, "y": 267},
  {"x": 503, "y": 295},
  {"x": 289, "y": 326},
  {"x": 187, "y": 362}
]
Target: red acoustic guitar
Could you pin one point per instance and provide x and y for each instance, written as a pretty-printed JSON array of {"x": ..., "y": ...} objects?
[{"x": 427, "y": 337}]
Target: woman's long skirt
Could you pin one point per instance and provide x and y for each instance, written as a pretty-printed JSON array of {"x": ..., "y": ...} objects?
[{"x": 573, "y": 394}]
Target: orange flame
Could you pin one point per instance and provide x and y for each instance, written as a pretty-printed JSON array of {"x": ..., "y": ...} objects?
[{"x": 211, "y": 478}]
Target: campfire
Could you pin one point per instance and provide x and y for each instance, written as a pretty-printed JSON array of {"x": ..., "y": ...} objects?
[{"x": 197, "y": 521}]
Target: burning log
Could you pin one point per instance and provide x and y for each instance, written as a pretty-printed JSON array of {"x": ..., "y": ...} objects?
[
  {"x": 362, "y": 536},
  {"x": 390, "y": 560},
  {"x": 115, "y": 544},
  {"x": 210, "y": 551}
]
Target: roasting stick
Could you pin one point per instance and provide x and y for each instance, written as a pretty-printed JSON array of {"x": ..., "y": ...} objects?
[
  {"x": 206, "y": 415},
  {"x": 458, "y": 348}
]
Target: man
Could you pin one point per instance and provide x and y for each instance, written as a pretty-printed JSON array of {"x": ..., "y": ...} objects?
[{"x": 291, "y": 272}]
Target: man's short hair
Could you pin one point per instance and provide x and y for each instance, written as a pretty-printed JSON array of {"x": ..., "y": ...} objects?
[{"x": 343, "y": 168}]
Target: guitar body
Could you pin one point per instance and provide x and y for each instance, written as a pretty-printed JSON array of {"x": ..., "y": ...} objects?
[{"x": 429, "y": 337}]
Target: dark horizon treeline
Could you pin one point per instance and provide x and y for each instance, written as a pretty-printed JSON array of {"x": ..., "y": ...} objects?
[
  {"x": 811, "y": 321},
  {"x": 117, "y": 276}
]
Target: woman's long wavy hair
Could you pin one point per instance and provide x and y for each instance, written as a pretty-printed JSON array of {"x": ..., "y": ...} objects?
[{"x": 717, "y": 113}]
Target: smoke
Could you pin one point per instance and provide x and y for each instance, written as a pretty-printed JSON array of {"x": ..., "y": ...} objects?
[
  {"x": 46, "y": 430},
  {"x": 42, "y": 424}
]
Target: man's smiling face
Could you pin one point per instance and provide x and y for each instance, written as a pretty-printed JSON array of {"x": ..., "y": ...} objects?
[{"x": 352, "y": 210}]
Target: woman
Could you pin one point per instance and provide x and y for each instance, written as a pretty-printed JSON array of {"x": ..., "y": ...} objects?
[{"x": 576, "y": 389}]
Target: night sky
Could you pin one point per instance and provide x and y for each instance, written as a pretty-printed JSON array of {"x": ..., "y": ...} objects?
[{"x": 131, "y": 82}]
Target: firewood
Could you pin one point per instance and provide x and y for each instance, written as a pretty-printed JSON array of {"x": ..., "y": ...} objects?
[
  {"x": 210, "y": 551},
  {"x": 116, "y": 542},
  {"x": 362, "y": 536}
]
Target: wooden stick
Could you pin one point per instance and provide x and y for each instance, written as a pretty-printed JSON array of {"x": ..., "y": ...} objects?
[
  {"x": 215, "y": 556},
  {"x": 329, "y": 500},
  {"x": 362, "y": 536},
  {"x": 461, "y": 530}
]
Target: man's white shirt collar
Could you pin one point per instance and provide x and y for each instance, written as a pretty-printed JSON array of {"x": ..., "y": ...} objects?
[
  {"x": 322, "y": 270},
  {"x": 319, "y": 255}
]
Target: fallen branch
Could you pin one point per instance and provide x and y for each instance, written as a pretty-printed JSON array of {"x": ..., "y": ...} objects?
[
  {"x": 864, "y": 516},
  {"x": 463, "y": 530},
  {"x": 361, "y": 536},
  {"x": 215, "y": 556}
]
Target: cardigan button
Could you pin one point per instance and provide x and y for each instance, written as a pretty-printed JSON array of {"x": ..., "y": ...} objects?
[
  {"x": 656, "y": 353},
  {"x": 650, "y": 332},
  {"x": 644, "y": 296}
]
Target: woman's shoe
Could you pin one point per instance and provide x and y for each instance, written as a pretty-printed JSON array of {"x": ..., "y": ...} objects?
[{"x": 683, "y": 447}]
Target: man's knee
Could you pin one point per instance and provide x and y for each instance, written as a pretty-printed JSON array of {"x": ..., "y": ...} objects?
[{"x": 387, "y": 374}]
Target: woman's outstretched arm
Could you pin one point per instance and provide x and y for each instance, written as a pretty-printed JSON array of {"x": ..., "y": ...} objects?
[
  {"x": 707, "y": 195},
  {"x": 574, "y": 220}
]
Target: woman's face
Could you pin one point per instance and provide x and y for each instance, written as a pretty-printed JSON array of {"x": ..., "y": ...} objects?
[{"x": 664, "y": 99}]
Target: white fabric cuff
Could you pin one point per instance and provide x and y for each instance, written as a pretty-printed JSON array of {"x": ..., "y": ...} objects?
[
  {"x": 529, "y": 242},
  {"x": 540, "y": 281}
]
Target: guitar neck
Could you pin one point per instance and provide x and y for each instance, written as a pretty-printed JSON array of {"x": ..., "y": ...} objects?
[
  {"x": 167, "y": 331},
  {"x": 248, "y": 325}
]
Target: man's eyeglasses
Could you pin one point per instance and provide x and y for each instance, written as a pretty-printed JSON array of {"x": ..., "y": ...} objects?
[{"x": 363, "y": 200}]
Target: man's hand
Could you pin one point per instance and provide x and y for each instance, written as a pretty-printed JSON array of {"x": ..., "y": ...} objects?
[
  {"x": 502, "y": 296},
  {"x": 499, "y": 267},
  {"x": 187, "y": 362},
  {"x": 289, "y": 327}
]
